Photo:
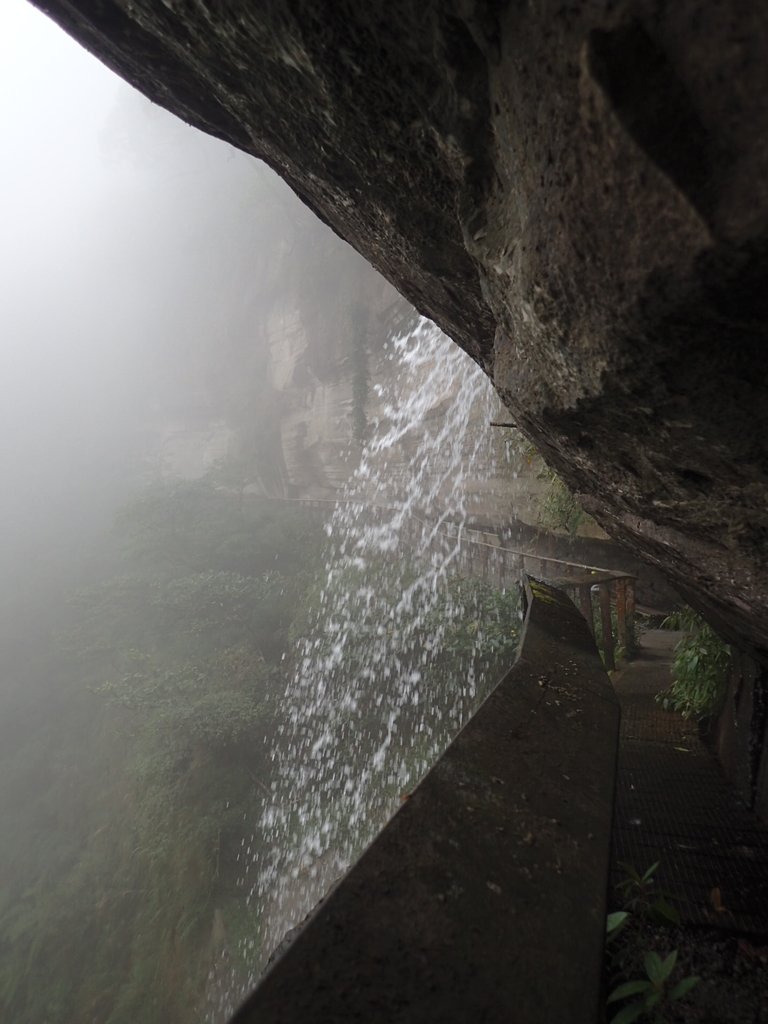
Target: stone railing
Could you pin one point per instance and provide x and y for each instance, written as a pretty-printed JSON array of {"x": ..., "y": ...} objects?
[{"x": 483, "y": 899}]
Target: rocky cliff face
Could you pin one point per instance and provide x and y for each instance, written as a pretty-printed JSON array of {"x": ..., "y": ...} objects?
[{"x": 577, "y": 194}]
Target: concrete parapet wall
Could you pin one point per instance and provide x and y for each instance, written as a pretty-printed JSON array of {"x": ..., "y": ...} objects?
[{"x": 483, "y": 899}]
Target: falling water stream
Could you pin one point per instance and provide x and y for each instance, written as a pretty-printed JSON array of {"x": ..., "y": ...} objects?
[{"x": 372, "y": 703}]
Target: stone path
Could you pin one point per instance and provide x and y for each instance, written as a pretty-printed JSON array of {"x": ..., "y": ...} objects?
[{"x": 674, "y": 805}]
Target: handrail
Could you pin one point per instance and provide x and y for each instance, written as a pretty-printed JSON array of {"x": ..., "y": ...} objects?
[
  {"x": 615, "y": 588},
  {"x": 611, "y": 573}
]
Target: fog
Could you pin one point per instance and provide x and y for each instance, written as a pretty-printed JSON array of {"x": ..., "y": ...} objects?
[
  {"x": 186, "y": 355},
  {"x": 126, "y": 241}
]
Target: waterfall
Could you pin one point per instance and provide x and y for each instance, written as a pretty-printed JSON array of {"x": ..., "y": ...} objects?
[{"x": 376, "y": 696}]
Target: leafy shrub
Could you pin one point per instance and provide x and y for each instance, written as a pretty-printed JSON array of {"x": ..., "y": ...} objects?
[
  {"x": 641, "y": 895},
  {"x": 651, "y": 994},
  {"x": 699, "y": 669},
  {"x": 655, "y": 995},
  {"x": 560, "y": 510}
]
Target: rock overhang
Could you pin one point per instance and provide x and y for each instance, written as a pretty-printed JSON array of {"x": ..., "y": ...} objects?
[{"x": 577, "y": 195}]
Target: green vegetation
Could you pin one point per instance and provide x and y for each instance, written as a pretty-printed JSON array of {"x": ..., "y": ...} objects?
[
  {"x": 559, "y": 509},
  {"x": 169, "y": 675},
  {"x": 479, "y": 619},
  {"x": 652, "y": 996},
  {"x": 640, "y": 894},
  {"x": 699, "y": 669}
]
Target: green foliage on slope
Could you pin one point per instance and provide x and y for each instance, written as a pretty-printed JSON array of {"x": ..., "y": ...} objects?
[{"x": 127, "y": 795}]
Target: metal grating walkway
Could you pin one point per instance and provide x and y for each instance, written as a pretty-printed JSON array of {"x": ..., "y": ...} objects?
[{"x": 674, "y": 805}]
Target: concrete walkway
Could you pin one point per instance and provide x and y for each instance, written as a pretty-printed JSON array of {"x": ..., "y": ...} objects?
[{"x": 674, "y": 805}]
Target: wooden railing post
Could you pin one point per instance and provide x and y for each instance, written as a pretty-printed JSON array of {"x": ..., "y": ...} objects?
[
  {"x": 620, "y": 587},
  {"x": 585, "y": 605},
  {"x": 607, "y": 627},
  {"x": 630, "y": 616}
]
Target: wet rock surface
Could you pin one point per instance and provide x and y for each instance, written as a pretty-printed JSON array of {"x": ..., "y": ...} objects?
[{"x": 577, "y": 194}]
